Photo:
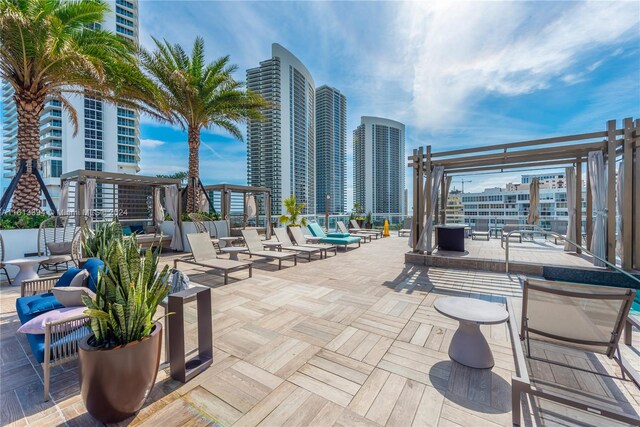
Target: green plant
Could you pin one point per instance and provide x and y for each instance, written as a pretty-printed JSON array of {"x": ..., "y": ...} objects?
[
  {"x": 50, "y": 49},
  {"x": 199, "y": 95},
  {"x": 11, "y": 221},
  {"x": 369, "y": 218},
  {"x": 97, "y": 242},
  {"x": 294, "y": 210},
  {"x": 128, "y": 292}
]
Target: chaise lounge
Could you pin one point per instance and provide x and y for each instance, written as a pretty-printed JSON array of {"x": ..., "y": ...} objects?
[
  {"x": 339, "y": 239},
  {"x": 301, "y": 240},
  {"x": 287, "y": 245},
  {"x": 255, "y": 248},
  {"x": 204, "y": 255}
]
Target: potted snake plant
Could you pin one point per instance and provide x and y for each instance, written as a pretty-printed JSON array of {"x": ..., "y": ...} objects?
[{"x": 119, "y": 361}]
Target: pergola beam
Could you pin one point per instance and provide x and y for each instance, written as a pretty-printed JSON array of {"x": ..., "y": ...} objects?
[{"x": 539, "y": 163}]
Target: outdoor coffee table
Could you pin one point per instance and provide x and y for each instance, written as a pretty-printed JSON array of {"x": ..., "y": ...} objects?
[
  {"x": 228, "y": 241},
  {"x": 272, "y": 246},
  {"x": 233, "y": 251},
  {"x": 468, "y": 346},
  {"x": 26, "y": 265},
  {"x": 313, "y": 239}
]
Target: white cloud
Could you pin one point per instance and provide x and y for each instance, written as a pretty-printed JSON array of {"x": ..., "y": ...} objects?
[
  {"x": 151, "y": 143},
  {"x": 458, "y": 52}
]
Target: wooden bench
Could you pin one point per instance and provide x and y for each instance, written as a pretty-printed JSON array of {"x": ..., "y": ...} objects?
[{"x": 483, "y": 234}]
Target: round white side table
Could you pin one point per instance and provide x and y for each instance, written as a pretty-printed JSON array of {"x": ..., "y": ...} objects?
[
  {"x": 26, "y": 266},
  {"x": 468, "y": 346}
]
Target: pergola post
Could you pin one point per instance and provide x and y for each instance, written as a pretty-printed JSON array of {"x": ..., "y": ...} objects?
[
  {"x": 578, "y": 223},
  {"x": 627, "y": 202},
  {"x": 418, "y": 203},
  {"x": 611, "y": 191},
  {"x": 589, "y": 209},
  {"x": 429, "y": 186},
  {"x": 81, "y": 208},
  {"x": 636, "y": 197},
  {"x": 267, "y": 215}
]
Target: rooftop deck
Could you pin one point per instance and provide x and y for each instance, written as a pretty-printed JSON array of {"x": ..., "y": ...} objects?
[{"x": 350, "y": 340}]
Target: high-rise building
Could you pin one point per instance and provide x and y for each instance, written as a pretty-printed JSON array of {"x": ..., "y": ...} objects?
[
  {"x": 331, "y": 150},
  {"x": 379, "y": 166},
  {"x": 281, "y": 148},
  {"x": 107, "y": 137}
]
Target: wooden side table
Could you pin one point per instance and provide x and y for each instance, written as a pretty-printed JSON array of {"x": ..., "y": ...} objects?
[{"x": 181, "y": 369}]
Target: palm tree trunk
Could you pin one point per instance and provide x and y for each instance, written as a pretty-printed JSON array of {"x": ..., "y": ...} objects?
[
  {"x": 29, "y": 108},
  {"x": 193, "y": 195}
]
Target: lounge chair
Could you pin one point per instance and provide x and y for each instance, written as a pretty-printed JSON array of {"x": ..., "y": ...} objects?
[
  {"x": 355, "y": 227},
  {"x": 343, "y": 229},
  {"x": 339, "y": 239},
  {"x": 204, "y": 255},
  {"x": 406, "y": 228},
  {"x": 287, "y": 245},
  {"x": 255, "y": 248},
  {"x": 579, "y": 317},
  {"x": 301, "y": 240},
  {"x": 2, "y": 266}
]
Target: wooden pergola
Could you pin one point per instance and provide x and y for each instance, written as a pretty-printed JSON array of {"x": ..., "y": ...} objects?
[{"x": 616, "y": 144}]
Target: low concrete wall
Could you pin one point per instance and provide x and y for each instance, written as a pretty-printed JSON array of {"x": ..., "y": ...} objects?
[
  {"x": 17, "y": 243},
  {"x": 472, "y": 264}
]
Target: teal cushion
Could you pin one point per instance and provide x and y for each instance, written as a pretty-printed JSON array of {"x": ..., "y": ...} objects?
[
  {"x": 93, "y": 266},
  {"x": 340, "y": 240},
  {"x": 315, "y": 229},
  {"x": 67, "y": 277},
  {"x": 338, "y": 235},
  {"x": 126, "y": 231},
  {"x": 32, "y": 306}
]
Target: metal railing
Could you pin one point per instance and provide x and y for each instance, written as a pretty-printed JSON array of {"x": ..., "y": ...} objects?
[{"x": 561, "y": 237}]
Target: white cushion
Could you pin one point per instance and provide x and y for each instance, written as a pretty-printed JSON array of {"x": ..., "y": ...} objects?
[{"x": 37, "y": 325}]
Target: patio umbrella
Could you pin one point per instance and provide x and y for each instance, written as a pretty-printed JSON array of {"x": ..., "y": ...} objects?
[
  {"x": 598, "y": 181},
  {"x": 172, "y": 198},
  {"x": 157, "y": 207},
  {"x": 534, "y": 201},
  {"x": 570, "y": 174}
]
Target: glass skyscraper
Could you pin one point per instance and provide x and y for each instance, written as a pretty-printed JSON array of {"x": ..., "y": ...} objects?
[
  {"x": 331, "y": 150},
  {"x": 379, "y": 166},
  {"x": 281, "y": 148},
  {"x": 108, "y": 135}
]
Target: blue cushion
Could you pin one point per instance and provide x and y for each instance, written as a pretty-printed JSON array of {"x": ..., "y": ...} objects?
[
  {"x": 67, "y": 277},
  {"x": 126, "y": 231},
  {"x": 340, "y": 240},
  {"x": 137, "y": 229},
  {"x": 338, "y": 235},
  {"x": 32, "y": 306},
  {"x": 36, "y": 341},
  {"x": 93, "y": 265},
  {"x": 316, "y": 230}
]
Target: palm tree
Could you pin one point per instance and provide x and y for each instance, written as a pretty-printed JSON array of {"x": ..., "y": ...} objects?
[
  {"x": 50, "y": 48},
  {"x": 199, "y": 95},
  {"x": 294, "y": 210}
]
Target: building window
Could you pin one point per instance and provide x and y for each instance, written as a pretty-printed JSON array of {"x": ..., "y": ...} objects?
[{"x": 93, "y": 166}]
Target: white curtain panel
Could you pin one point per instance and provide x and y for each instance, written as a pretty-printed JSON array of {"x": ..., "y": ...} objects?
[
  {"x": 570, "y": 174},
  {"x": 172, "y": 199},
  {"x": 203, "y": 204},
  {"x": 414, "y": 219},
  {"x": 89, "y": 195},
  {"x": 157, "y": 207},
  {"x": 251, "y": 206},
  {"x": 424, "y": 243},
  {"x": 63, "y": 204},
  {"x": 619, "y": 196},
  {"x": 534, "y": 202},
  {"x": 598, "y": 181},
  {"x": 445, "y": 202}
]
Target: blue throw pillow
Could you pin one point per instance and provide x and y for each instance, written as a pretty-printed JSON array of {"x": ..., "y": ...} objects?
[
  {"x": 44, "y": 304},
  {"x": 67, "y": 277},
  {"x": 93, "y": 265}
]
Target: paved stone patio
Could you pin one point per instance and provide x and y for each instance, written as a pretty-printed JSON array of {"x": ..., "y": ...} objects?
[{"x": 350, "y": 340}]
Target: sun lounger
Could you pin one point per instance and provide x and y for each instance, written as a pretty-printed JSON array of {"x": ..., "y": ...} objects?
[
  {"x": 204, "y": 255},
  {"x": 300, "y": 239},
  {"x": 287, "y": 244},
  {"x": 355, "y": 227},
  {"x": 344, "y": 230},
  {"x": 578, "y": 318},
  {"x": 339, "y": 239},
  {"x": 255, "y": 248},
  {"x": 406, "y": 228}
]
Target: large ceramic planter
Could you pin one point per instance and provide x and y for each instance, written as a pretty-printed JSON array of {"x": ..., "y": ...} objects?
[{"x": 115, "y": 383}]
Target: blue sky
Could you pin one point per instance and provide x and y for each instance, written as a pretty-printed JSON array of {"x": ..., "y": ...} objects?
[{"x": 458, "y": 74}]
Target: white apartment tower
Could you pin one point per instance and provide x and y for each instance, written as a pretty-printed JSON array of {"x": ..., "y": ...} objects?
[
  {"x": 331, "y": 150},
  {"x": 281, "y": 148},
  {"x": 107, "y": 137},
  {"x": 379, "y": 166}
]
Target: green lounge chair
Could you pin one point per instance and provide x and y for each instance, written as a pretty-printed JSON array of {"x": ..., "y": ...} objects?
[{"x": 340, "y": 239}]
